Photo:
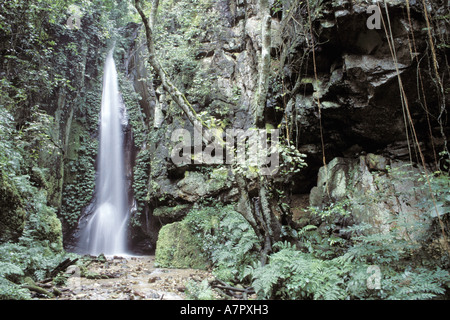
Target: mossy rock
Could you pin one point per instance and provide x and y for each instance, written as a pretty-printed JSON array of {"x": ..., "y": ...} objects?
[
  {"x": 12, "y": 215},
  {"x": 54, "y": 231},
  {"x": 44, "y": 225},
  {"x": 172, "y": 214},
  {"x": 177, "y": 248},
  {"x": 377, "y": 162}
]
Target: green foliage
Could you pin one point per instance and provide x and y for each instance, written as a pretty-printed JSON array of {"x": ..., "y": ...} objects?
[
  {"x": 10, "y": 271},
  {"x": 142, "y": 185},
  {"x": 27, "y": 56},
  {"x": 324, "y": 238},
  {"x": 182, "y": 27},
  {"x": 11, "y": 159},
  {"x": 291, "y": 160},
  {"x": 292, "y": 274},
  {"x": 141, "y": 172},
  {"x": 79, "y": 168},
  {"x": 226, "y": 238},
  {"x": 439, "y": 186},
  {"x": 333, "y": 256},
  {"x": 136, "y": 116},
  {"x": 17, "y": 184},
  {"x": 199, "y": 291},
  {"x": 408, "y": 269},
  {"x": 80, "y": 183},
  {"x": 11, "y": 291},
  {"x": 35, "y": 259},
  {"x": 409, "y": 284},
  {"x": 25, "y": 258}
]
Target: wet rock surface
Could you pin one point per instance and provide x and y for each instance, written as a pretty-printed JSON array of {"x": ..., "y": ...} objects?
[{"x": 129, "y": 278}]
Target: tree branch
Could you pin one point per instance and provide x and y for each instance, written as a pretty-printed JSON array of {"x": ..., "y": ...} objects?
[
  {"x": 171, "y": 89},
  {"x": 264, "y": 66}
]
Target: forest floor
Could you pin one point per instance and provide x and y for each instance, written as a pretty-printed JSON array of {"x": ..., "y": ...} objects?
[{"x": 129, "y": 278}]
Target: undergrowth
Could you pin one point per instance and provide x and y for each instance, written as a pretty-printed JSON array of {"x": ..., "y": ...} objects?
[
  {"x": 333, "y": 258},
  {"x": 225, "y": 238},
  {"x": 25, "y": 259}
]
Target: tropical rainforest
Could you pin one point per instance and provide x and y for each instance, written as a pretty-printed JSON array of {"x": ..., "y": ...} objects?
[{"x": 345, "y": 195}]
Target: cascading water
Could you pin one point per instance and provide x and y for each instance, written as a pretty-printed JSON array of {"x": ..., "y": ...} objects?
[{"x": 106, "y": 228}]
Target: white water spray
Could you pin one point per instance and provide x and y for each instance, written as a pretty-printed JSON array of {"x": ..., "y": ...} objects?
[{"x": 106, "y": 229}]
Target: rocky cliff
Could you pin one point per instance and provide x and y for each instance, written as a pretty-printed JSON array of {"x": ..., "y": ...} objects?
[{"x": 342, "y": 90}]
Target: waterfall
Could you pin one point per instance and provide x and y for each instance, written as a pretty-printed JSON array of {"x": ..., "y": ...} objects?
[{"x": 106, "y": 229}]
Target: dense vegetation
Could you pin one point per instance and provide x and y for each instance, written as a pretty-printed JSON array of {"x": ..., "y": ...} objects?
[
  {"x": 41, "y": 91},
  {"x": 319, "y": 263},
  {"x": 50, "y": 93}
]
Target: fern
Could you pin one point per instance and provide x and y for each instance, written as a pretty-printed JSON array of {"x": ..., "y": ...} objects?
[
  {"x": 199, "y": 290},
  {"x": 226, "y": 238},
  {"x": 9, "y": 275},
  {"x": 419, "y": 284},
  {"x": 9, "y": 270},
  {"x": 330, "y": 267},
  {"x": 291, "y": 274},
  {"x": 11, "y": 291}
]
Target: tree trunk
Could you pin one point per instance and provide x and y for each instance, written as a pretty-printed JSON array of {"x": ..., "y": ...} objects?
[
  {"x": 173, "y": 91},
  {"x": 259, "y": 214},
  {"x": 264, "y": 65}
]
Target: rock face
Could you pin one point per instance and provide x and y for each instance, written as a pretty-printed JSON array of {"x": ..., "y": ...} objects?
[
  {"x": 376, "y": 188},
  {"x": 357, "y": 84}
]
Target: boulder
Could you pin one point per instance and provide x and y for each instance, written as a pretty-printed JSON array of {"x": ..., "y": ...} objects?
[
  {"x": 177, "y": 248},
  {"x": 12, "y": 217},
  {"x": 171, "y": 214}
]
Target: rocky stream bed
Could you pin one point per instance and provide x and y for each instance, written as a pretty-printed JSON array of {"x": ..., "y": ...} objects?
[{"x": 127, "y": 278}]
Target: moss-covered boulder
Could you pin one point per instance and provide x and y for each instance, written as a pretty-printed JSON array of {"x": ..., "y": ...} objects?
[
  {"x": 12, "y": 215},
  {"x": 177, "y": 247}
]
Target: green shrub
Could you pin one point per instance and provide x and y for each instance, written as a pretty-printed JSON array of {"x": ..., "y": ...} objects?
[
  {"x": 334, "y": 256},
  {"x": 292, "y": 274},
  {"x": 199, "y": 291},
  {"x": 9, "y": 290},
  {"x": 26, "y": 259},
  {"x": 225, "y": 238}
]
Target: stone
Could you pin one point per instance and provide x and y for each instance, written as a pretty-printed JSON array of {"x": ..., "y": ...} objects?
[
  {"x": 196, "y": 185},
  {"x": 12, "y": 217},
  {"x": 172, "y": 214},
  {"x": 376, "y": 162},
  {"x": 177, "y": 248},
  {"x": 153, "y": 279},
  {"x": 375, "y": 193}
]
